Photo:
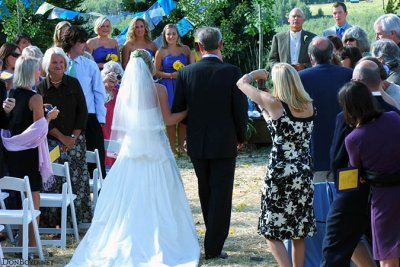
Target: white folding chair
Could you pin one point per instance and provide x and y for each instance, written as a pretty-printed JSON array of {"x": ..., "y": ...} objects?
[
  {"x": 61, "y": 200},
  {"x": 96, "y": 182},
  {"x": 1, "y": 249},
  {"x": 23, "y": 217}
]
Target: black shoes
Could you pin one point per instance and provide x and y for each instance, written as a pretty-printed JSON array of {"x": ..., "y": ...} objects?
[{"x": 223, "y": 255}]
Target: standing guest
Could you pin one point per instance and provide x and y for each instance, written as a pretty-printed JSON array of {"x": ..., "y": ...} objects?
[
  {"x": 22, "y": 40},
  {"x": 291, "y": 46},
  {"x": 102, "y": 47},
  {"x": 289, "y": 113},
  {"x": 213, "y": 137},
  {"x": 112, "y": 74},
  {"x": 322, "y": 82},
  {"x": 168, "y": 60},
  {"x": 28, "y": 123},
  {"x": 339, "y": 13},
  {"x": 337, "y": 45},
  {"x": 388, "y": 27},
  {"x": 378, "y": 160},
  {"x": 138, "y": 37},
  {"x": 348, "y": 217},
  {"x": 388, "y": 54},
  {"x": 349, "y": 56},
  {"x": 59, "y": 32},
  {"x": 34, "y": 51},
  {"x": 67, "y": 130},
  {"x": 88, "y": 74},
  {"x": 8, "y": 54},
  {"x": 356, "y": 36}
]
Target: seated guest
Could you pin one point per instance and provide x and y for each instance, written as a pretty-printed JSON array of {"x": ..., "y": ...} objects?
[
  {"x": 374, "y": 149},
  {"x": 356, "y": 36},
  {"x": 112, "y": 74},
  {"x": 388, "y": 54},
  {"x": 102, "y": 47},
  {"x": 28, "y": 123},
  {"x": 66, "y": 93},
  {"x": 22, "y": 40},
  {"x": 349, "y": 56}
]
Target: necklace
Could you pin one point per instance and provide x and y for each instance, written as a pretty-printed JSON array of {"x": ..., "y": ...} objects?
[{"x": 55, "y": 83}]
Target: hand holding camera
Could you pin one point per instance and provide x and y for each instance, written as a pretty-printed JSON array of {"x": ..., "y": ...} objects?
[{"x": 8, "y": 104}]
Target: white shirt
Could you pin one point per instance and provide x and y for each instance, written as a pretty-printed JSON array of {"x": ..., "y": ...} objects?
[
  {"x": 88, "y": 74},
  {"x": 295, "y": 42}
]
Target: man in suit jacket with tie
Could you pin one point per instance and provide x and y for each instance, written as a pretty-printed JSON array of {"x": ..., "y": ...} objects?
[
  {"x": 339, "y": 13},
  {"x": 216, "y": 124},
  {"x": 291, "y": 46}
]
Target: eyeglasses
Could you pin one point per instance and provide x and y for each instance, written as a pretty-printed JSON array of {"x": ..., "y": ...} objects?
[
  {"x": 16, "y": 55},
  {"x": 350, "y": 40}
]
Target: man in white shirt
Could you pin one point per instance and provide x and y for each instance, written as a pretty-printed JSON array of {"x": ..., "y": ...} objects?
[
  {"x": 291, "y": 46},
  {"x": 339, "y": 13},
  {"x": 88, "y": 74}
]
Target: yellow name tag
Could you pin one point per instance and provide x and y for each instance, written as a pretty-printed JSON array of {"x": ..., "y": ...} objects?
[
  {"x": 55, "y": 153},
  {"x": 348, "y": 179}
]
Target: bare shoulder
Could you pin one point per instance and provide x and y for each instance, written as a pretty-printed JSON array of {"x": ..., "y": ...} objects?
[
  {"x": 160, "y": 52},
  {"x": 153, "y": 47},
  {"x": 186, "y": 50},
  {"x": 127, "y": 46},
  {"x": 160, "y": 88},
  {"x": 35, "y": 100}
]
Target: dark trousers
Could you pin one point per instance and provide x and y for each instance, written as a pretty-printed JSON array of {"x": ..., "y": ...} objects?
[
  {"x": 348, "y": 219},
  {"x": 215, "y": 181},
  {"x": 95, "y": 139}
]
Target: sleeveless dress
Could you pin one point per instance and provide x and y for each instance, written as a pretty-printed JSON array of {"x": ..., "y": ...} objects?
[
  {"x": 142, "y": 216},
  {"x": 167, "y": 67},
  {"x": 100, "y": 53},
  {"x": 287, "y": 197},
  {"x": 25, "y": 162}
]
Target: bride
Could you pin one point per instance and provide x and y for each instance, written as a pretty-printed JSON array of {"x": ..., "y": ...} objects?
[{"x": 142, "y": 217}]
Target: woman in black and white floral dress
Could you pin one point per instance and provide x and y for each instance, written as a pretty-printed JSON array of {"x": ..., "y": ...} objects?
[{"x": 287, "y": 197}]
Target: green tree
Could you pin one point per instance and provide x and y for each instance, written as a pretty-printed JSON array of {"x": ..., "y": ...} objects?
[
  {"x": 392, "y": 6},
  {"x": 39, "y": 28}
]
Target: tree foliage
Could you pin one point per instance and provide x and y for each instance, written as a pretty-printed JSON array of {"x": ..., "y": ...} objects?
[
  {"x": 39, "y": 28},
  {"x": 392, "y": 6}
]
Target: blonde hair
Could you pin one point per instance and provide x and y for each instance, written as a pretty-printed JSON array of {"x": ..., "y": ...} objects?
[
  {"x": 130, "y": 36},
  {"x": 164, "y": 40},
  {"x": 56, "y": 37},
  {"x": 99, "y": 22},
  {"x": 24, "y": 73},
  {"x": 288, "y": 87}
]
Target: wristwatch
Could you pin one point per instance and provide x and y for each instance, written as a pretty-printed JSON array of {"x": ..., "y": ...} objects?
[{"x": 73, "y": 136}]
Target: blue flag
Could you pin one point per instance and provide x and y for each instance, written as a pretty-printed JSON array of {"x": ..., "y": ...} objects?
[
  {"x": 167, "y": 5},
  {"x": 184, "y": 26}
]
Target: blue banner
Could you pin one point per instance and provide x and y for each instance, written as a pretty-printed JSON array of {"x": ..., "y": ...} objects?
[
  {"x": 167, "y": 5},
  {"x": 184, "y": 26}
]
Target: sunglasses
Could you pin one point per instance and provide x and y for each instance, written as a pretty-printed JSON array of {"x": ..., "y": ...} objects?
[
  {"x": 16, "y": 55},
  {"x": 350, "y": 40}
]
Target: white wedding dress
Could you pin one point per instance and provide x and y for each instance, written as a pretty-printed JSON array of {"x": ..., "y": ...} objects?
[{"x": 142, "y": 217}]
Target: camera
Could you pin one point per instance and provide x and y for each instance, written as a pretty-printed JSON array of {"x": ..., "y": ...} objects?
[
  {"x": 114, "y": 76},
  {"x": 48, "y": 108}
]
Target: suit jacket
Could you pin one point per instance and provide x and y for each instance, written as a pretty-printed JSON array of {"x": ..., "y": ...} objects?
[
  {"x": 280, "y": 49},
  {"x": 332, "y": 30},
  {"x": 323, "y": 82},
  {"x": 338, "y": 152},
  {"x": 217, "y": 117}
]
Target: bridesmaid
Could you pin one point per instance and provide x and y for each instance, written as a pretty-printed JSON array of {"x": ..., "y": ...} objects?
[
  {"x": 102, "y": 47},
  {"x": 169, "y": 58},
  {"x": 138, "y": 37}
]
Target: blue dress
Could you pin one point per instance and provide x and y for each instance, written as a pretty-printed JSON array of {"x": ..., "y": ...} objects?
[
  {"x": 167, "y": 63},
  {"x": 100, "y": 53}
]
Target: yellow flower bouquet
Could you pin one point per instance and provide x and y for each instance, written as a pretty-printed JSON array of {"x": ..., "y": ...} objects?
[
  {"x": 112, "y": 57},
  {"x": 178, "y": 65}
]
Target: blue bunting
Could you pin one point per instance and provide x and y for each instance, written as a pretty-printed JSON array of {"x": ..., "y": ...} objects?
[
  {"x": 184, "y": 26},
  {"x": 167, "y": 5}
]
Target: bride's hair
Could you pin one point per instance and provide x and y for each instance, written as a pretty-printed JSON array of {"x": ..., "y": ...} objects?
[{"x": 145, "y": 55}]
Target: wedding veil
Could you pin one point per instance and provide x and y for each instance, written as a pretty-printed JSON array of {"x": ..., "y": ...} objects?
[{"x": 138, "y": 128}]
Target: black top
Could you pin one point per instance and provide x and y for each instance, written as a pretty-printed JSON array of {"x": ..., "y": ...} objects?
[
  {"x": 21, "y": 116},
  {"x": 3, "y": 117},
  {"x": 69, "y": 99}
]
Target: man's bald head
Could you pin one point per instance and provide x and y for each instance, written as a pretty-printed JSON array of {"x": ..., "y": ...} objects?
[
  {"x": 367, "y": 72},
  {"x": 320, "y": 50}
]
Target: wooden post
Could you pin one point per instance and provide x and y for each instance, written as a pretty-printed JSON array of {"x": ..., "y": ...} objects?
[{"x": 260, "y": 37}]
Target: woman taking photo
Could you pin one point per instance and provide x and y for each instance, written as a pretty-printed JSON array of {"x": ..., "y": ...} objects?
[
  {"x": 102, "y": 47},
  {"x": 66, "y": 93},
  {"x": 374, "y": 149},
  {"x": 169, "y": 59},
  {"x": 287, "y": 197},
  {"x": 138, "y": 37},
  {"x": 28, "y": 123}
]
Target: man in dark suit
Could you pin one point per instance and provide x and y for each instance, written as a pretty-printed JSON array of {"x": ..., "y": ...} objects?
[
  {"x": 291, "y": 46},
  {"x": 216, "y": 124},
  {"x": 348, "y": 217},
  {"x": 323, "y": 81}
]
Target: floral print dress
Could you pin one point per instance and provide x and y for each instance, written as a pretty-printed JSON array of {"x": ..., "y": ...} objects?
[{"x": 287, "y": 196}]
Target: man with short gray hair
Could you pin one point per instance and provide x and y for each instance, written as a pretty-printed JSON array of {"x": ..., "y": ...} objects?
[
  {"x": 216, "y": 124},
  {"x": 388, "y": 53},
  {"x": 388, "y": 26}
]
